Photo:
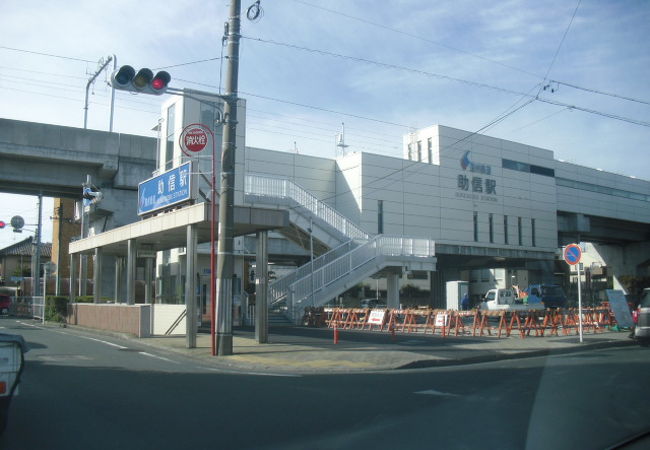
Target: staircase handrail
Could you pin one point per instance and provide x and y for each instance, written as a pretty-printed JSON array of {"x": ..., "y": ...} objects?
[
  {"x": 279, "y": 288},
  {"x": 379, "y": 245},
  {"x": 267, "y": 186}
]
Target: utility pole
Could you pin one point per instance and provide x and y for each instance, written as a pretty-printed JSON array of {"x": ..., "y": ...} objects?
[
  {"x": 225, "y": 259},
  {"x": 90, "y": 81},
  {"x": 85, "y": 226},
  {"x": 36, "y": 264},
  {"x": 59, "y": 213}
]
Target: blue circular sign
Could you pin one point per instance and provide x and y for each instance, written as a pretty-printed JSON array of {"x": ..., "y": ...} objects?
[{"x": 572, "y": 254}]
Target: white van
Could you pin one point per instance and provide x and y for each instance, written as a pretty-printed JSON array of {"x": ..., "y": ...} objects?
[{"x": 504, "y": 299}]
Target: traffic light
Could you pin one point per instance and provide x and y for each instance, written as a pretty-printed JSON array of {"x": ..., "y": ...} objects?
[
  {"x": 125, "y": 78},
  {"x": 2, "y": 224}
]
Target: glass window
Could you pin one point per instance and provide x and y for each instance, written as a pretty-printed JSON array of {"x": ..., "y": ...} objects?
[
  {"x": 532, "y": 230},
  {"x": 475, "y": 226},
  {"x": 380, "y": 216},
  {"x": 519, "y": 231},
  {"x": 505, "y": 229},
  {"x": 491, "y": 228}
]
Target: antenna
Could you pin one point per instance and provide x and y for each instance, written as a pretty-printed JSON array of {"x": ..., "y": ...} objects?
[{"x": 340, "y": 141}]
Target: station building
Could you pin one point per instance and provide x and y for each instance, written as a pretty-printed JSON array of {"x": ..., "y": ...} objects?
[{"x": 455, "y": 206}]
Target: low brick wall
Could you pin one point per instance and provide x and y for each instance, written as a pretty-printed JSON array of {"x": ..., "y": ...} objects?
[{"x": 132, "y": 319}]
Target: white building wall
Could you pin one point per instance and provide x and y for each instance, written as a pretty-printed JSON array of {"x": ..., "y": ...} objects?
[
  {"x": 611, "y": 200},
  {"x": 314, "y": 174},
  {"x": 348, "y": 187}
]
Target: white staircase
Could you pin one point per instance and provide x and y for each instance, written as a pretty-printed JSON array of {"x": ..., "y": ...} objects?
[{"x": 354, "y": 255}]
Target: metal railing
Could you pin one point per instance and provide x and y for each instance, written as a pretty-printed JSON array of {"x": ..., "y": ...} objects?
[
  {"x": 279, "y": 188},
  {"x": 38, "y": 307},
  {"x": 361, "y": 248},
  {"x": 279, "y": 289},
  {"x": 364, "y": 254}
]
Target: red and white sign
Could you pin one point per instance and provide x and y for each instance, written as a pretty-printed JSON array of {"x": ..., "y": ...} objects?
[
  {"x": 194, "y": 138},
  {"x": 441, "y": 320},
  {"x": 377, "y": 317}
]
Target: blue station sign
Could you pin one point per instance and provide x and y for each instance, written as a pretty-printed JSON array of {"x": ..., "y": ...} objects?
[{"x": 167, "y": 189}]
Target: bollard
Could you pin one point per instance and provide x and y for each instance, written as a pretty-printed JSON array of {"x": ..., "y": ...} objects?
[
  {"x": 392, "y": 333},
  {"x": 336, "y": 334}
]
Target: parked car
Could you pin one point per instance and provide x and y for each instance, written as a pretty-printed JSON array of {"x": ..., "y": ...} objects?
[
  {"x": 5, "y": 303},
  {"x": 506, "y": 299},
  {"x": 551, "y": 295},
  {"x": 642, "y": 328},
  {"x": 370, "y": 303}
]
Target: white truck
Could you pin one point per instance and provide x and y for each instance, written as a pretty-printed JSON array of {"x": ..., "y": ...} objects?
[{"x": 506, "y": 299}]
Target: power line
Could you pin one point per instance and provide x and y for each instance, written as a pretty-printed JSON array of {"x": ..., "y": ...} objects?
[
  {"x": 548, "y": 116},
  {"x": 71, "y": 58},
  {"x": 44, "y": 73},
  {"x": 302, "y": 105},
  {"x": 189, "y": 63},
  {"x": 385, "y": 65},
  {"x": 406, "y": 33},
  {"x": 566, "y": 31},
  {"x": 331, "y": 131},
  {"x": 595, "y": 91},
  {"x": 484, "y": 85}
]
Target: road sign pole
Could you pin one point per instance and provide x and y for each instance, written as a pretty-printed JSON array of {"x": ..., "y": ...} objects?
[
  {"x": 572, "y": 254},
  {"x": 579, "y": 302}
]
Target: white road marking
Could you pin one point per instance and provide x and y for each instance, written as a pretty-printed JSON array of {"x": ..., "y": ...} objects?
[
  {"x": 259, "y": 374},
  {"x": 439, "y": 393},
  {"x": 121, "y": 347},
  {"x": 158, "y": 357},
  {"x": 30, "y": 325}
]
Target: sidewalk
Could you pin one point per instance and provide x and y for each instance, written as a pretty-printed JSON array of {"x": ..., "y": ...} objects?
[{"x": 309, "y": 350}]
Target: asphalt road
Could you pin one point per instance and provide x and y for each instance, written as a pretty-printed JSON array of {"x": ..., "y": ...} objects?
[{"x": 85, "y": 391}]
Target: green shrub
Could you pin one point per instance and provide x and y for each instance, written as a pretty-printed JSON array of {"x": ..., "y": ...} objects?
[{"x": 56, "y": 308}]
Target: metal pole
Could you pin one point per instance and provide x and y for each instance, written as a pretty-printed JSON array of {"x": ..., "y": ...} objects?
[
  {"x": 579, "y": 302},
  {"x": 57, "y": 282},
  {"x": 85, "y": 226},
  {"x": 225, "y": 257},
  {"x": 44, "y": 290},
  {"x": 261, "y": 288},
  {"x": 36, "y": 274},
  {"x": 90, "y": 81},
  {"x": 110, "y": 123},
  {"x": 311, "y": 257},
  {"x": 190, "y": 286}
]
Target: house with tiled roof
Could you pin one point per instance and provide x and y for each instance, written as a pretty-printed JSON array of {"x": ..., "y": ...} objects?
[{"x": 16, "y": 259}]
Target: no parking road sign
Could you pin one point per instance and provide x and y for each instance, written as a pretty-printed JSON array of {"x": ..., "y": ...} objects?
[{"x": 572, "y": 254}]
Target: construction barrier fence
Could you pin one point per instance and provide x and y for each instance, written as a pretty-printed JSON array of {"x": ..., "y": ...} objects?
[{"x": 550, "y": 322}]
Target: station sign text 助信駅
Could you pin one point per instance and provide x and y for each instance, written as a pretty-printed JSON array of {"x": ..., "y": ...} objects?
[
  {"x": 476, "y": 186},
  {"x": 167, "y": 189}
]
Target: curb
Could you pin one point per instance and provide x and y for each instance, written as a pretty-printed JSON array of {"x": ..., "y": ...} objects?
[
  {"x": 425, "y": 363},
  {"x": 241, "y": 366}
]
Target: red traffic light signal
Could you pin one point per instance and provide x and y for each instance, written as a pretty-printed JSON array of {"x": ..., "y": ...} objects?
[
  {"x": 144, "y": 81},
  {"x": 2, "y": 224}
]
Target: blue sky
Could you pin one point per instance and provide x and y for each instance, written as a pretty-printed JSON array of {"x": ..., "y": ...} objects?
[{"x": 472, "y": 53}]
